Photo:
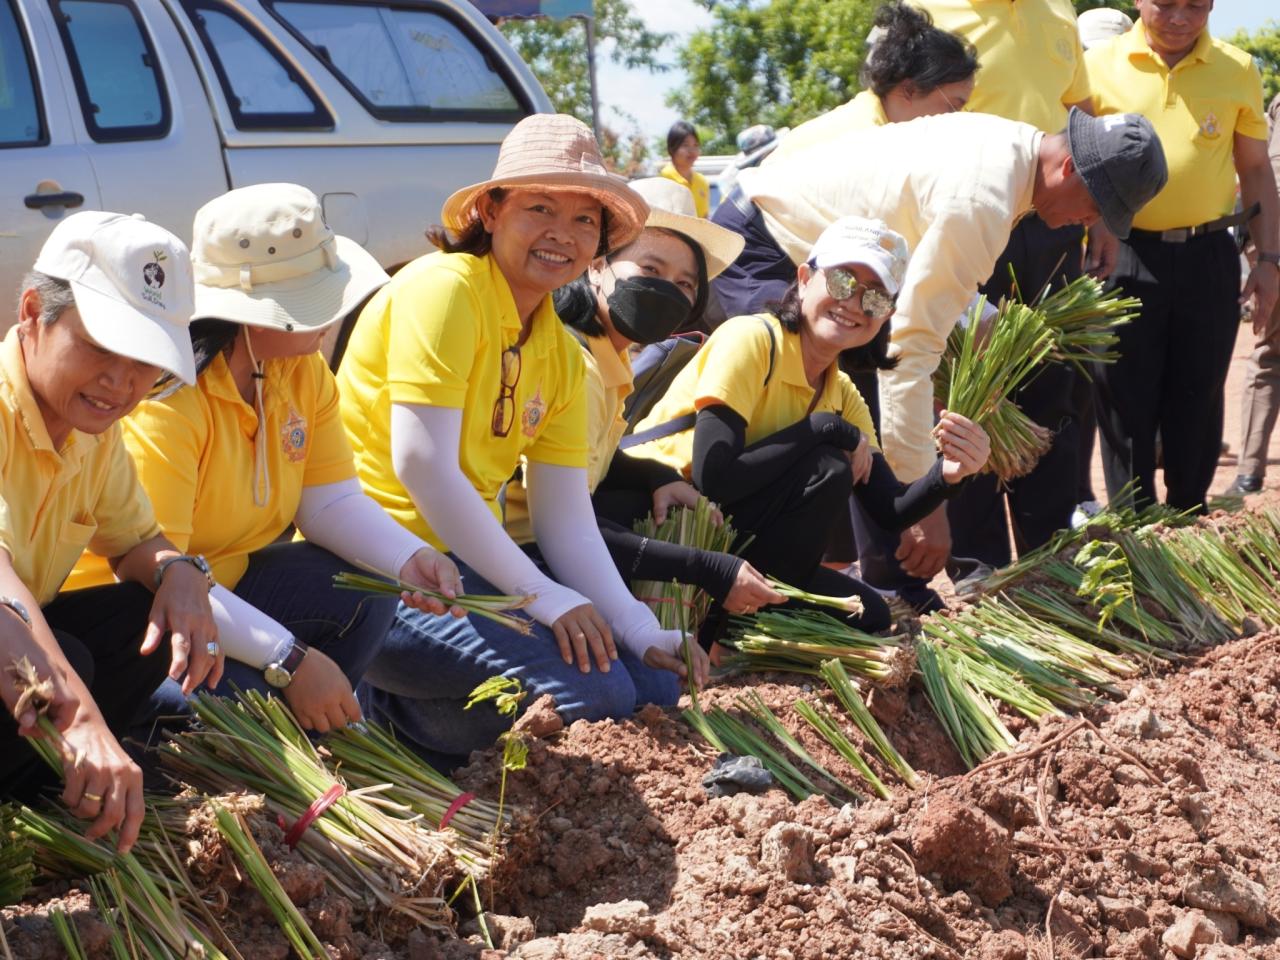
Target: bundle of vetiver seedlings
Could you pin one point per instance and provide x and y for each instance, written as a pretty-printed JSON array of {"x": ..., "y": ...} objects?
[
  {"x": 496, "y": 607},
  {"x": 799, "y": 641},
  {"x": 970, "y": 719},
  {"x": 695, "y": 527}
]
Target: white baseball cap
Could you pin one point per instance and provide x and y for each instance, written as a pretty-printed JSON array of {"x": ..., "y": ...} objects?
[
  {"x": 868, "y": 242},
  {"x": 132, "y": 284},
  {"x": 265, "y": 257}
]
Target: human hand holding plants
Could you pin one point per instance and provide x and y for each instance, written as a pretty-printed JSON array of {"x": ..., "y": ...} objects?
[
  {"x": 320, "y": 695},
  {"x": 751, "y": 591},
  {"x": 964, "y": 445},
  {"x": 680, "y": 494},
  {"x": 102, "y": 783},
  {"x": 434, "y": 571}
]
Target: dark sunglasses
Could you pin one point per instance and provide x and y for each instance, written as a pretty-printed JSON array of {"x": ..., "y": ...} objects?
[
  {"x": 504, "y": 408},
  {"x": 842, "y": 284}
]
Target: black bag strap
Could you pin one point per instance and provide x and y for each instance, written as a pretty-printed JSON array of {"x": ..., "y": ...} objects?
[{"x": 687, "y": 420}]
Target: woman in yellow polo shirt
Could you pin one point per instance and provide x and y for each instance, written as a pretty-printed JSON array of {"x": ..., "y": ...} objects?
[
  {"x": 257, "y": 446},
  {"x": 684, "y": 148},
  {"x": 763, "y": 421},
  {"x": 457, "y": 369}
]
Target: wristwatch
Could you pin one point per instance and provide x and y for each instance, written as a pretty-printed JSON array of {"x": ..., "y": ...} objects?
[
  {"x": 197, "y": 560},
  {"x": 1273, "y": 258},
  {"x": 279, "y": 673},
  {"x": 17, "y": 607}
]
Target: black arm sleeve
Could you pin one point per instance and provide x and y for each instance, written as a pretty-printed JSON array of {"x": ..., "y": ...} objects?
[
  {"x": 896, "y": 505},
  {"x": 726, "y": 470},
  {"x": 637, "y": 473},
  {"x": 639, "y": 558}
]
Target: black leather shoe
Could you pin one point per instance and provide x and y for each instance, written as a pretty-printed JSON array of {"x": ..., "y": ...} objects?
[{"x": 1243, "y": 485}]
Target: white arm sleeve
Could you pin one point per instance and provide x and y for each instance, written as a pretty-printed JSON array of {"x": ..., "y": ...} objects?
[
  {"x": 424, "y": 454},
  {"x": 245, "y": 632},
  {"x": 345, "y": 521},
  {"x": 564, "y": 526}
]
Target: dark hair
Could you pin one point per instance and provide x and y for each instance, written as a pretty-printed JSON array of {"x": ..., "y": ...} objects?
[
  {"x": 576, "y": 303},
  {"x": 912, "y": 48},
  {"x": 478, "y": 241},
  {"x": 873, "y": 355},
  {"x": 677, "y": 134},
  {"x": 209, "y": 337}
]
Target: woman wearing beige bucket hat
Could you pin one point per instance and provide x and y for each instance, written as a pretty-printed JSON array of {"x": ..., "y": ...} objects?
[
  {"x": 256, "y": 445},
  {"x": 455, "y": 371},
  {"x": 652, "y": 288}
]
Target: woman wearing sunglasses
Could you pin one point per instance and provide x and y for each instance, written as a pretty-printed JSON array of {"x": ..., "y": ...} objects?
[
  {"x": 458, "y": 369},
  {"x": 764, "y": 423}
]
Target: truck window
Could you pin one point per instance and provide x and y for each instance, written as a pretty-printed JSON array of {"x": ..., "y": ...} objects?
[
  {"x": 262, "y": 88},
  {"x": 404, "y": 63},
  {"x": 21, "y": 123},
  {"x": 116, "y": 71}
]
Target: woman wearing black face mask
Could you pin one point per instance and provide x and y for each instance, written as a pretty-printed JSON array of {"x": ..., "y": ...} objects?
[{"x": 642, "y": 294}]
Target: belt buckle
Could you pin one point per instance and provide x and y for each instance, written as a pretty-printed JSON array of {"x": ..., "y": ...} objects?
[{"x": 1180, "y": 235}]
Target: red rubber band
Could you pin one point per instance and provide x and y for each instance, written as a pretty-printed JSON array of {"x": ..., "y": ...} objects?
[
  {"x": 460, "y": 801},
  {"x": 312, "y": 813}
]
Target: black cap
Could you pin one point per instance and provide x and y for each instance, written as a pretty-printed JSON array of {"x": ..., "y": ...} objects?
[{"x": 1120, "y": 159}]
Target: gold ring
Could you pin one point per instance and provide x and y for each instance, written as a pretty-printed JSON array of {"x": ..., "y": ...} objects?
[{"x": 96, "y": 798}]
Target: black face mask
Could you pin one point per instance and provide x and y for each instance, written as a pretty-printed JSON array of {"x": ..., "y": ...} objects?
[{"x": 647, "y": 309}]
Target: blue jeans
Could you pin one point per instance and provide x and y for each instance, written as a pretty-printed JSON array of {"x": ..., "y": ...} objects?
[
  {"x": 429, "y": 665},
  {"x": 293, "y": 584}
]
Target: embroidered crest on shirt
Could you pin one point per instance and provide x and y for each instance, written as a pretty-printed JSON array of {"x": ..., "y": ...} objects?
[
  {"x": 531, "y": 416},
  {"x": 293, "y": 436},
  {"x": 1209, "y": 125}
]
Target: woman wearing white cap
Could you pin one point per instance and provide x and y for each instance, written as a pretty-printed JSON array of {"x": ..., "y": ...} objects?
[
  {"x": 456, "y": 370},
  {"x": 102, "y": 314},
  {"x": 257, "y": 446},
  {"x": 654, "y": 287},
  {"x": 763, "y": 421}
]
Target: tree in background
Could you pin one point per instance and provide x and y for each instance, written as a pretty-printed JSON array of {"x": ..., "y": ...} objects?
[
  {"x": 1264, "y": 46},
  {"x": 778, "y": 63},
  {"x": 1125, "y": 5},
  {"x": 556, "y": 51}
]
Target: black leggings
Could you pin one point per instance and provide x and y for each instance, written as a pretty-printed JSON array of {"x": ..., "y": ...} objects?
[{"x": 100, "y": 631}]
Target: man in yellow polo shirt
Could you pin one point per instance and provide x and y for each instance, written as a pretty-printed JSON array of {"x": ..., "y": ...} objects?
[
  {"x": 103, "y": 313},
  {"x": 1204, "y": 97}
]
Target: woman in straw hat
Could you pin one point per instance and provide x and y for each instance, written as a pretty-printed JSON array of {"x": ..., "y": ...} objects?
[
  {"x": 763, "y": 420},
  {"x": 256, "y": 445},
  {"x": 456, "y": 370},
  {"x": 641, "y": 294}
]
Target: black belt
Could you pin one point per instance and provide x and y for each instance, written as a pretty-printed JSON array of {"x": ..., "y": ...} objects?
[{"x": 1183, "y": 234}]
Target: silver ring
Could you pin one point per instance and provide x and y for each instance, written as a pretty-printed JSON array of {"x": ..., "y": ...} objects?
[{"x": 211, "y": 648}]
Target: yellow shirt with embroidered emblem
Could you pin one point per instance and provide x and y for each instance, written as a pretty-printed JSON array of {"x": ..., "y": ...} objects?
[
  {"x": 194, "y": 452},
  {"x": 1032, "y": 61},
  {"x": 697, "y": 185},
  {"x": 56, "y": 502},
  {"x": 609, "y": 382},
  {"x": 1197, "y": 107},
  {"x": 733, "y": 368},
  {"x": 864, "y": 110},
  {"x": 435, "y": 336}
]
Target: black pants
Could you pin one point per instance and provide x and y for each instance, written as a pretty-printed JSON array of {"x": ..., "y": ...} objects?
[
  {"x": 99, "y": 631},
  {"x": 762, "y": 272},
  {"x": 1040, "y": 503},
  {"x": 1172, "y": 368}
]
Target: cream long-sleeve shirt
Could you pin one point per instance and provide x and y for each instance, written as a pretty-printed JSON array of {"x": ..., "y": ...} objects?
[{"x": 953, "y": 186}]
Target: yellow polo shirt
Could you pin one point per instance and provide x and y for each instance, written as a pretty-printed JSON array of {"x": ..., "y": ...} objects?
[
  {"x": 731, "y": 368},
  {"x": 56, "y": 502},
  {"x": 697, "y": 185},
  {"x": 1032, "y": 61},
  {"x": 1214, "y": 92},
  {"x": 609, "y": 382},
  {"x": 435, "y": 336},
  {"x": 194, "y": 452},
  {"x": 864, "y": 110}
]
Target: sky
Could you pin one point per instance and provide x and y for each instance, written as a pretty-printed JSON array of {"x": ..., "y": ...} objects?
[{"x": 642, "y": 95}]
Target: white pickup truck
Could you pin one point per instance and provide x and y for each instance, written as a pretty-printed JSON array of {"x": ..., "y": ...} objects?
[{"x": 155, "y": 106}]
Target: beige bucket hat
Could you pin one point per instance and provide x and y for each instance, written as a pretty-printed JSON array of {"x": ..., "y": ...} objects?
[
  {"x": 671, "y": 208},
  {"x": 263, "y": 256},
  {"x": 559, "y": 152}
]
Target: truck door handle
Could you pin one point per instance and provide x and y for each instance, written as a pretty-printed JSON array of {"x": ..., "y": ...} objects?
[{"x": 67, "y": 198}]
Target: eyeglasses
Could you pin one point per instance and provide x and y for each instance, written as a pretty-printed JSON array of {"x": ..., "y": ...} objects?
[
  {"x": 843, "y": 285},
  {"x": 504, "y": 408}
]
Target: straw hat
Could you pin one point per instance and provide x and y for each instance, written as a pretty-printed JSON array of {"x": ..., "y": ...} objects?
[
  {"x": 671, "y": 208},
  {"x": 557, "y": 152},
  {"x": 264, "y": 257}
]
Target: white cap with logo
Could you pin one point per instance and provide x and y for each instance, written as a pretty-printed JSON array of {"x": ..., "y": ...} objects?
[
  {"x": 868, "y": 242},
  {"x": 132, "y": 284}
]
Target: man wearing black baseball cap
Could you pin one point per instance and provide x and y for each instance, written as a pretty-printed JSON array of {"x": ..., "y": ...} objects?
[{"x": 1204, "y": 97}]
